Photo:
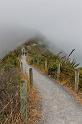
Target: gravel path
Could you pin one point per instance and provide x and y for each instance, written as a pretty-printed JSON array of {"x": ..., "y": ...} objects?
[{"x": 58, "y": 106}]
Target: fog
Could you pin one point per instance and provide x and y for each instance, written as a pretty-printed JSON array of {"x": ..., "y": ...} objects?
[
  {"x": 12, "y": 36},
  {"x": 58, "y": 20}
]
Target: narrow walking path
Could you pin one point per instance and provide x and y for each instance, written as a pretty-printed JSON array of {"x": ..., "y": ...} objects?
[{"x": 58, "y": 106}]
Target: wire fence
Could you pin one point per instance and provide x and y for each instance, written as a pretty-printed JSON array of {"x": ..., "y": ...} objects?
[
  {"x": 65, "y": 74},
  {"x": 16, "y": 110},
  {"x": 11, "y": 112},
  {"x": 16, "y": 106}
]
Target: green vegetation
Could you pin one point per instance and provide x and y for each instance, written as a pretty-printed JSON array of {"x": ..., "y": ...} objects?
[
  {"x": 38, "y": 53},
  {"x": 9, "y": 80}
]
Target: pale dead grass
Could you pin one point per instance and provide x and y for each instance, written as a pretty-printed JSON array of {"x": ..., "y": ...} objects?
[
  {"x": 35, "y": 107},
  {"x": 77, "y": 96}
]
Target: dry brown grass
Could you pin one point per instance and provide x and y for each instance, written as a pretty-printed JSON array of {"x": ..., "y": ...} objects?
[
  {"x": 35, "y": 107},
  {"x": 77, "y": 97}
]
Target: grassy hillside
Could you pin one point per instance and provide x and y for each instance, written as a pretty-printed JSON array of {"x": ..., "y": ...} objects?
[
  {"x": 9, "y": 82},
  {"x": 38, "y": 53}
]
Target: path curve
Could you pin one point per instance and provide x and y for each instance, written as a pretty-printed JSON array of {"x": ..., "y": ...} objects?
[{"x": 58, "y": 106}]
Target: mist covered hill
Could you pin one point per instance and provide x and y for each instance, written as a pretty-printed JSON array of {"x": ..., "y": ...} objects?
[{"x": 12, "y": 37}]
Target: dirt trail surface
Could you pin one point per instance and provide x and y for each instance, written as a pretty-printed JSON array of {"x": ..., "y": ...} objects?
[{"x": 58, "y": 106}]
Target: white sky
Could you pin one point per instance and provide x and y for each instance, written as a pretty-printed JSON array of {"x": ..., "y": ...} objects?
[{"x": 59, "y": 20}]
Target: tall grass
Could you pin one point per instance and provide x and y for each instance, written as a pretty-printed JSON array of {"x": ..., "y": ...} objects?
[{"x": 38, "y": 53}]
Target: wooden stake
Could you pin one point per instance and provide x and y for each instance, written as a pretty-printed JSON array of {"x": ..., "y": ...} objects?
[
  {"x": 46, "y": 66},
  {"x": 76, "y": 80},
  {"x": 58, "y": 72},
  {"x": 31, "y": 76}
]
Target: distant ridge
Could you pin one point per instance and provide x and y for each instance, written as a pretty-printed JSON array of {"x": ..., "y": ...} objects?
[{"x": 12, "y": 36}]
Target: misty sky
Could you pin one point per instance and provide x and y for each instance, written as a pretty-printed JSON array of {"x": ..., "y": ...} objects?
[{"x": 59, "y": 20}]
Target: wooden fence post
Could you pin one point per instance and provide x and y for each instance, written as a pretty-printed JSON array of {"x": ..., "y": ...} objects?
[
  {"x": 23, "y": 101},
  {"x": 31, "y": 76},
  {"x": 46, "y": 66},
  {"x": 76, "y": 80},
  {"x": 58, "y": 72},
  {"x": 21, "y": 65}
]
